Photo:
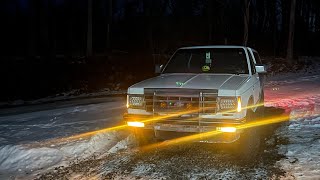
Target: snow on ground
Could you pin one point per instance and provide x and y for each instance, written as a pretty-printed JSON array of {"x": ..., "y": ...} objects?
[
  {"x": 30, "y": 141},
  {"x": 302, "y": 152},
  {"x": 185, "y": 161},
  {"x": 299, "y": 95},
  {"x": 59, "y": 121}
]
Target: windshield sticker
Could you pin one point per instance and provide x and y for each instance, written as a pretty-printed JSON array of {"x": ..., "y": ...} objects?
[
  {"x": 208, "y": 58},
  {"x": 205, "y": 68}
]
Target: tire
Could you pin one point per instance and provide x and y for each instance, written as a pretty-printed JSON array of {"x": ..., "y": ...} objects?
[
  {"x": 143, "y": 137},
  {"x": 264, "y": 129},
  {"x": 247, "y": 146}
]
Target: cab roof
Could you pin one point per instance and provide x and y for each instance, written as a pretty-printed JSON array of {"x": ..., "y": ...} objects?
[
  {"x": 215, "y": 46},
  {"x": 218, "y": 46}
]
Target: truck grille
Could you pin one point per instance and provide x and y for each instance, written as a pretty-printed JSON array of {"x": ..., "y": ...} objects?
[{"x": 181, "y": 100}]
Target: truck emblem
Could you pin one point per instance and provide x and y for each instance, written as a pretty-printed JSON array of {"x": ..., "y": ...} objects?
[{"x": 205, "y": 68}]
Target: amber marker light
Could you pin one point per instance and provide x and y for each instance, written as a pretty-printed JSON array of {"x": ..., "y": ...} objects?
[
  {"x": 135, "y": 124},
  {"x": 163, "y": 104},
  {"x": 239, "y": 104},
  {"x": 127, "y": 101}
]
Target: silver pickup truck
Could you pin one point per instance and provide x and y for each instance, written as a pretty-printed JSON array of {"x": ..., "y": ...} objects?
[{"x": 201, "y": 89}]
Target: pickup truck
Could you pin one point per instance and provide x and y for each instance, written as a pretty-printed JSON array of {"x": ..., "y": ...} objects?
[{"x": 201, "y": 89}]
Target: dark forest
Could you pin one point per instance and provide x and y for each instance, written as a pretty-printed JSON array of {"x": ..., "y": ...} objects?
[{"x": 53, "y": 46}]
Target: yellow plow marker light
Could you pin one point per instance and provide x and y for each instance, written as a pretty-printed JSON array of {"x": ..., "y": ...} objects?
[
  {"x": 227, "y": 129},
  {"x": 127, "y": 101},
  {"x": 239, "y": 105},
  {"x": 135, "y": 124}
]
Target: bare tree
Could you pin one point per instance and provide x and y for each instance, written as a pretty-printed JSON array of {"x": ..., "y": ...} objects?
[
  {"x": 31, "y": 34},
  {"x": 246, "y": 22},
  {"x": 291, "y": 32},
  {"x": 149, "y": 7},
  {"x": 210, "y": 21},
  {"x": 109, "y": 25},
  {"x": 89, "y": 31}
]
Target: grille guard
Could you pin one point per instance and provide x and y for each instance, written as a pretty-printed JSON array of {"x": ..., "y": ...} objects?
[{"x": 201, "y": 101}]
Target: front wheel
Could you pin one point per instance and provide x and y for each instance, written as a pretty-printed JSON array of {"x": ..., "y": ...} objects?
[
  {"x": 247, "y": 146},
  {"x": 143, "y": 137}
]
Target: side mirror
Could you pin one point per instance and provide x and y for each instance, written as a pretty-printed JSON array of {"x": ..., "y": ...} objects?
[
  {"x": 261, "y": 69},
  {"x": 158, "y": 68}
]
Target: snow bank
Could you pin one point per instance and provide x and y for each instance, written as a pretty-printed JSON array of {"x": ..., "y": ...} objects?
[
  {"x": 18, "y": 158},
  {"x": 86, "y": 148},
  {"x": 22, "y": 159}
]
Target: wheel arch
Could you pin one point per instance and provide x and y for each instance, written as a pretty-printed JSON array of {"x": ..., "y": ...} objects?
[{"x": 250, "y": 102}]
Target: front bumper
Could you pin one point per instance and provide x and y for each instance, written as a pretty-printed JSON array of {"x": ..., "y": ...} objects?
[{"x": 174, "y": 127}]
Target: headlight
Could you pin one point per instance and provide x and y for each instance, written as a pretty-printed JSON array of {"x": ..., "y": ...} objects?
[
  {"x": 230, "y": 103},
  {"x": 135, "y": 101}
]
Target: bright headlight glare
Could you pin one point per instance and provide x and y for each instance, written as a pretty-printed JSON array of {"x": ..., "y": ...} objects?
[
  {"x": 135, "y": 101},
  {"x": 227, "y": 129},
  {"x": 135, "y": 124}
]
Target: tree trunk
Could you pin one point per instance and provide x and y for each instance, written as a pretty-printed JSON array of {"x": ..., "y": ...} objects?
[
  {"x": 265, "y": 14},
  {"x": 31, "y": 30},
  {"x": 246, "y": 22},
  {"x": 148, "y": 5},
  {"x": 89, "y": 32},
  {"x": 69, "y": 39},
  {"x": 52, "y": 30},
  {"x": 210, "y": 7},
  {"x": 291, "y": 32},
  {"x": 109, "y": 25}
]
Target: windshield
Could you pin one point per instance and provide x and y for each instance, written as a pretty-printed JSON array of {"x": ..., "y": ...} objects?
[{"x": 208, "y": 60}]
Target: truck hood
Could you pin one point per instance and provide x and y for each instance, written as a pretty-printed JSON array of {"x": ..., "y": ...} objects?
[{"x": 191, "y": 81}]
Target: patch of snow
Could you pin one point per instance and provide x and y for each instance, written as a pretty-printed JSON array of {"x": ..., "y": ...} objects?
[
  {"x": 20, "y": 159},
  {"x": 303, "y": 131},
  {"x": 86, "y": 148},
  {"x": 123, "y": 144}
]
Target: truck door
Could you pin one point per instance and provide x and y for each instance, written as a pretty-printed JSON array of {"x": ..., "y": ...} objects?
[{"x": 256, "y": 78}]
